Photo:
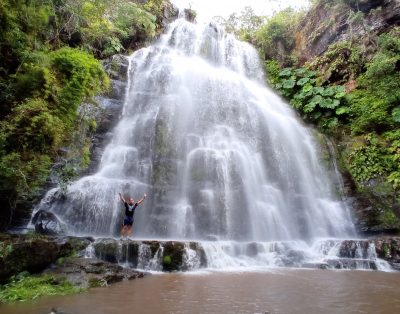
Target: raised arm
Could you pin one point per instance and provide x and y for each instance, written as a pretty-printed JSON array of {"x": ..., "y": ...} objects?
[
  {"x": 121, "y": 198},
  {"x": 142, "y": 199}
]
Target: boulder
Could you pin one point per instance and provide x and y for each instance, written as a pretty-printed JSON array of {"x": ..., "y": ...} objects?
[
  {"x": 23, "y": 254},
  {"x": 47, "y": 223},
  {"x": 34, "y": 253},
  {"x": 91, "y": 272}
]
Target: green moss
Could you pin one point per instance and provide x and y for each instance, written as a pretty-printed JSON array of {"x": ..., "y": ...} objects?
[
  {"x": 385, "y": 250},
  {"x": 389, "y": 220},
  {"x": 167, "y": 260},
  {"x": 343, "y": 61},
  {"x": 33, "y": 287},
  {"x": 368, "y": 158},
  {"x": 5, "y": 249}
]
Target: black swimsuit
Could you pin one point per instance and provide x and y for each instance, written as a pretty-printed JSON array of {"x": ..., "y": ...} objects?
[{"x": 129, "y": 212}]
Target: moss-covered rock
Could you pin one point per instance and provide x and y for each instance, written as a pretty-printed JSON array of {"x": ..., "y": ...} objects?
[{"x": 34, "y": 253}]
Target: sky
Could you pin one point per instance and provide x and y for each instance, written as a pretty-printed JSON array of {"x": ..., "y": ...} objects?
[{"x": 206, "y": 9}]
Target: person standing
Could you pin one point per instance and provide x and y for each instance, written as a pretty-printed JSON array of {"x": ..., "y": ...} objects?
[{"x": 130, "y": 208}]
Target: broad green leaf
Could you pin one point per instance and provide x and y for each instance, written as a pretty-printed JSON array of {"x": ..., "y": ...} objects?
[
  {"x": 307, "y": 88},
  {"x": 311, "y": 74},
  {"x": 329, "y": 91},
  {"x": 317, "y": 99},
  {"x": 329, "y": 103},
  {"x": 342, "y": 110},
  {"x": 303, "y": 81},
  {"x": 326, "y": 103},
  {"x": 300, "y": 96},
  {"x": 309, "y": 107},
  {"x": 286, "y": 72},
  {"x": 288, "y": 84},
  {"x": 340, "y": 95},
  {"x": 340, "y": 89},
  {"x": 300, "y": 71},
  {"x": 331, "y": 123},
  {"x": 318, "y": 90}
]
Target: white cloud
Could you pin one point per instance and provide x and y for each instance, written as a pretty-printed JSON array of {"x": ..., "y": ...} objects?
[{"x": 206, "y": 9}]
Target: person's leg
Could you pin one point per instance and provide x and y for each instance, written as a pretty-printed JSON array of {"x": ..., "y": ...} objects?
[
  {"x": 123, "y": 230},
  {"x": 129, "y": 231}
]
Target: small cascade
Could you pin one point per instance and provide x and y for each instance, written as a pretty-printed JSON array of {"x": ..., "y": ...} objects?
[
  {"x": 232, "y": 255},
  {"x": 89, "y": 251}
]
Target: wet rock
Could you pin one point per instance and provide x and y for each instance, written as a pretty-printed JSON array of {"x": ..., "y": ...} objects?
[
  {"x": 107, "y": 250},
  {"x": 47, "y": 223},
  {"x": 349, "y": 263},
  {"x": 117, "y": 67},
  {"x": 171, "y": 12},
  {"x": 73, "y": 245},
  {"x": 56, "y": 310},
  {"x": 160, "y": 255},
  {"x": 190, "y": 15},
  {"x": 293, "y": 258},
  {"x": 315, "y": 265},
  {"x": 91, "y": 272},
  {"x": 173, "y": 256},
  {"x": 354, "y": 249}
]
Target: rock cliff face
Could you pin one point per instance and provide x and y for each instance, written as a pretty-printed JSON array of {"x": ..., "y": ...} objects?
[
  {"x": 332, "y": 21},
  {"x": 325, "y": 41}
]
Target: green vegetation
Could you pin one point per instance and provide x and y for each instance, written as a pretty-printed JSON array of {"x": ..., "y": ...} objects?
[
  {"x": 48, "y": 68},
  {"x": 167, "y": 260},
  {"x": 277, "y": 36},
  {"x": 243, "y": 25},
  {"x": 5, "y": 249},
  {"x": 25, "y": 287},
  {"x": 324, "y": 105}
]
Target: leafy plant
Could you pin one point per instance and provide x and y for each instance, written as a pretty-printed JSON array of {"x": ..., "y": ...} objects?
[
  {"x": 369, "y": 159},
  {"x": 317, "y": 104}
]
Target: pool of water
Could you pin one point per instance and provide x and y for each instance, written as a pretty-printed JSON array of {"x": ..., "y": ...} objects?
[{"x": 276, "y": 291}]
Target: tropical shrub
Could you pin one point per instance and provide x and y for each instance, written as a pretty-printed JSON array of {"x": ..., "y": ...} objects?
[{"x": 317, "y": 104}]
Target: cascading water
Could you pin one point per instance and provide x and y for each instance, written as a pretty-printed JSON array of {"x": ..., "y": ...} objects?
[{"x": 221, "y": 157}]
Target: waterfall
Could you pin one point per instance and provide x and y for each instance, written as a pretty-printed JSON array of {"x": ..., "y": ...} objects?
[{"x": 220, "y": 155}]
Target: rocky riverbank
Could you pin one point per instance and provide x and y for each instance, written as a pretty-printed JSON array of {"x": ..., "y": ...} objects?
[
  {"x": 59, "y": 256},
  {"x": 85, "y": 262}
]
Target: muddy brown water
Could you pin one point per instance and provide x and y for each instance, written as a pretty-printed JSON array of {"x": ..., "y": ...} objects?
[{"x": 278, "y": 291}]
